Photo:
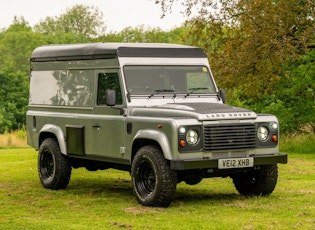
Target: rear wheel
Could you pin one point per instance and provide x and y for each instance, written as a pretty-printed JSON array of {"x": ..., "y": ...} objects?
[
  {"x": 54, "y": 168},
  {"x": 154, "y": 183},
  {"x": 260, "y": 182}
]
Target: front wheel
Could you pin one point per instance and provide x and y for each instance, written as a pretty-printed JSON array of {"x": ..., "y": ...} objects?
[
  {"x": 259, "y": 182},
  {"x": 154, "y": 183},
  {"x": 54, "y": 168}
]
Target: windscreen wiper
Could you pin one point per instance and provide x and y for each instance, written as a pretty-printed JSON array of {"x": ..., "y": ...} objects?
[
  {"x": 195, "y": 89},
  {"x": 158, "y": 91}
]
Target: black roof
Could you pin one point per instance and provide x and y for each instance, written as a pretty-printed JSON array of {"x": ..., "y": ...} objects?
[{"x": 110, "y": 50}]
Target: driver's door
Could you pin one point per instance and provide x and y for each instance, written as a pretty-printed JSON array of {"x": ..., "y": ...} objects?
[{"x": 107, "y": 124}]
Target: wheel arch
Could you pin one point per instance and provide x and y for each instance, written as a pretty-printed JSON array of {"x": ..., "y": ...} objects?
[
  {"x": 53, "y": 131},
  {"x": 151, "y": 137}
]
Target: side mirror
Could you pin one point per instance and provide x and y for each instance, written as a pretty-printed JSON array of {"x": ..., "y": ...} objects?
[
  {"x": 110, "y": 96},
  {"x": 222, "y": 95}
]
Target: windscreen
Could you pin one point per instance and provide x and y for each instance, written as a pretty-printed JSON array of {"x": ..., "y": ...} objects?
[{"x": 188, "y": 80}]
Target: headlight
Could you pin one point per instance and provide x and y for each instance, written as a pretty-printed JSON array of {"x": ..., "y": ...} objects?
[
  {"x": 192, "y": 137},
  {"x": 189, "y": 138},
  {"x": 262, "y": 133}
]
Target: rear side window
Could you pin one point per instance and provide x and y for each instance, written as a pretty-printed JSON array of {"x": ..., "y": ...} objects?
[
  {"x": 62, "y": 88},
  {"x": 108, "y": 81}
]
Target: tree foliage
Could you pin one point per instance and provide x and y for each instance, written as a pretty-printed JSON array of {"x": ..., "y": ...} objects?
[
  {"x": 296, "y": 95},
  {"x": 147, "y": 34},
  {"x": 86, "y": 22},
  {"x": 257, "y": 50},
  {"x": 16, "y": 45},
  {"x": 250, "y": 41},
  {"x": 13, "y": 99}
]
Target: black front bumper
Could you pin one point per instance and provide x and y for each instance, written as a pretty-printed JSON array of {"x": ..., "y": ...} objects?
[{"x": 213, "y": 163}]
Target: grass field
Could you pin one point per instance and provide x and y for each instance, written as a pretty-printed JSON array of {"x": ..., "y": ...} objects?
[{"x": 104, "y": 200}]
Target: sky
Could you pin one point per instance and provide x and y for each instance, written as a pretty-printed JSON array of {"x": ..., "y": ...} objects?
[{"x": 118, "y": 14}]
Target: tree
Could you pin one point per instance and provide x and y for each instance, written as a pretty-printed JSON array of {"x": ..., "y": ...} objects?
[
  {"x": 13, "y": 99},
  {"x": 296, "y": 95},
  {"x": 86, "y": 22},
  {"x": 258, "y": 50},
  {"x": 16, "y": 45},
  {"x": 249, "y": 41},
  {"x": 142, "y": 34}
]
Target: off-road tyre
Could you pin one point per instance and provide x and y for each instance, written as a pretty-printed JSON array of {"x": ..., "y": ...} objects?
[
  {"x": 153, "y": 182},
  {"x": 54, "y": 168},
  {"x": 259, "y": 182}
]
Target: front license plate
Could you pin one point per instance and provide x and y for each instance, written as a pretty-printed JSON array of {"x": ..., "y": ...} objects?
[{"x": 235, "y": 163}]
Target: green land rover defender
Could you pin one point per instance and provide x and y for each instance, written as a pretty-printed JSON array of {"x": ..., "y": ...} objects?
[{"x": 151, "y": 109}]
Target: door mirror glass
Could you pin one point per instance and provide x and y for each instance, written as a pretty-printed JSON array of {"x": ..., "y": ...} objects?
[{"x": 110, "y": 96}]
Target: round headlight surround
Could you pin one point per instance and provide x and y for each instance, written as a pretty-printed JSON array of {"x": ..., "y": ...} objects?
[
  {"x": 263, "y": 133},
  {"x": 192, "y": 137}
]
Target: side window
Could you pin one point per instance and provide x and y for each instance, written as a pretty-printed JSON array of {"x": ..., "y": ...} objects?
[{"x": 108, "y": 81}]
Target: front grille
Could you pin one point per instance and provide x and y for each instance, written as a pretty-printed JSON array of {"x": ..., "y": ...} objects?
[{"x": 229, "y": 137}]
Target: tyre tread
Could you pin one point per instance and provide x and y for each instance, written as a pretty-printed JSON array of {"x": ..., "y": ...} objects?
[
  {"x": 62, "y": 173},
  {"x": 168, "y": 178},
  {"x": 261, "y": 182}
]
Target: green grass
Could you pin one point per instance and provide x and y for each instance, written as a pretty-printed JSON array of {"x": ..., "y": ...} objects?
[
  {"x": 298, "y": 143},
  {"x": 104, "y": 200}
]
